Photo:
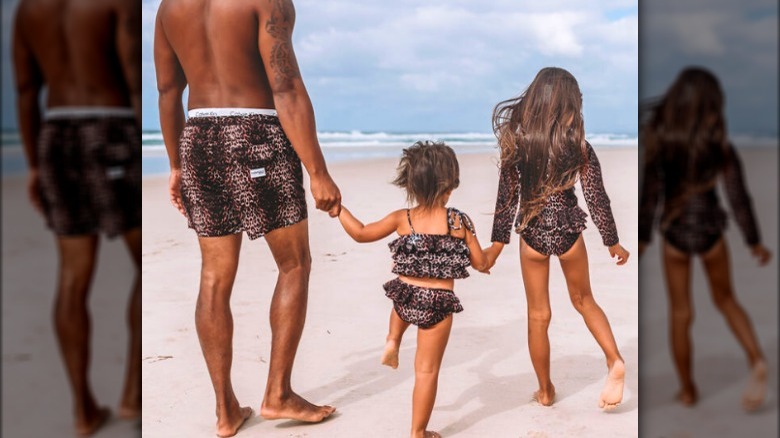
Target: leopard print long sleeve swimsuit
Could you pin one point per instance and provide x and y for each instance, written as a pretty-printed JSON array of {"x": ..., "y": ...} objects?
[
  {"x": 561, "y": 221},
  {"x": 700, "y": 224},
  {"x": 442, "y": 256}
]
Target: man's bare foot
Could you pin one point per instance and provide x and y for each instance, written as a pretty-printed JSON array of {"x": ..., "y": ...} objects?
[
  {"x": 688, "y": 396},
  {"x": 92, "y": 425},
  {"x": 230, "y": 426},
  {"x": 294, "y": 407},
  {"x": 754, "y": 394},
  {"x": 612, "y": 394},
  {"x": 545, "y": 397},
  {"x": 390, "y": 355}
]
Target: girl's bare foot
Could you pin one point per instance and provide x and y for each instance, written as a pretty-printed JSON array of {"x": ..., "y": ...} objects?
[
  {"x": 294, "y": 407},
  {"x": 432, "y": 434},
  {"x": 688, "y": 396},
  {"x": 92, "y": 425},
  {"x": 612, "y": 394},
  {"x": 546, "y": 396},
  {"x": 230, "y": 426},
  {"x": 390, "y": 355},
  {"x": 755, "y": 392}
]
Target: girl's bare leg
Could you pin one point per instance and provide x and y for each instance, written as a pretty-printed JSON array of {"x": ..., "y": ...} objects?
[
  {"x": 677, "y": 266},
  {"x": 716, "y": 264},
  {"x": 535, "y": 268},
  {"x": 431, "y": 343},
  {"x": 575, "y": 268},
  {"x": 397, "y": 329}
]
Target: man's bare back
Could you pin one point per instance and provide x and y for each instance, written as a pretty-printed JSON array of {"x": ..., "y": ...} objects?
[
  {"x": 86, "y": 52},
  {"x": 217, "y": 45}
]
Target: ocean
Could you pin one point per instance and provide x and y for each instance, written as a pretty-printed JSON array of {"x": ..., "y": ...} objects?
[{"x": 336, "y": 146}]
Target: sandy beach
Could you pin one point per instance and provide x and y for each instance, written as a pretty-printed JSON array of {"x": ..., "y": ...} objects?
[
  {"x": 36, "y": 396},
  {"x": 720, "y": 366},
  {"x": 486, "y": 380}
]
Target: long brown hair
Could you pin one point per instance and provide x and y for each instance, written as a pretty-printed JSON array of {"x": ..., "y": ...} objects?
[
  {"x": 543, "y": 133},
  {"x": 686, "y": 138},
  {"x": 427, "y": 171}
]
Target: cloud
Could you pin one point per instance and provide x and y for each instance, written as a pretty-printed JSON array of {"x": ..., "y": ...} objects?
[
  {"x": 443, "y": 64},
  {"x": 736, "y": 40}
]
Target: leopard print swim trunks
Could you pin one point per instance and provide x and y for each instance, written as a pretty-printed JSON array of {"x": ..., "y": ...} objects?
[
  {"x": 89, "y": 166},
  {"x": 239, "y": 173}
]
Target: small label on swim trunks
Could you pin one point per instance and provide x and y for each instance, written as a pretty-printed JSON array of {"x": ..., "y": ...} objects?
[
  {"x": 257, "y": 173},
  {"x": 115, "y": 172}
]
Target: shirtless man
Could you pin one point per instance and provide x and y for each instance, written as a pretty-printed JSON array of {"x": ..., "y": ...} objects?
[
  {"x": 235, "y": 167},
  {"x": 84, "y": 159}
]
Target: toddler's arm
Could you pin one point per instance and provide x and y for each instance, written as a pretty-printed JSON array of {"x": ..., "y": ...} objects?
[
  {"x": 478, "y": 259},
  {"x": 370, "y": 232}
]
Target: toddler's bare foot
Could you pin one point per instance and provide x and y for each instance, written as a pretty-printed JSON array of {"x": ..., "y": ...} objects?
[
  {"x": 294, "y": 407},
  {"x": 88, "y": 427},
  {"x": 545, "y": 396},
  {"x": 755, "y": 392},
  {"x": 390, "y": 355},
  {"x": 612, "y": 394},
  {"x": 688, "y": 396},
  {"x": 229, "y": 426}
]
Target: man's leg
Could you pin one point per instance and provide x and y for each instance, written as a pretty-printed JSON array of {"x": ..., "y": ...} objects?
[
  {"x": 290, "y": 248},
  {"x": 214, "y": 323},
  {"x": 130, "y": 404},
  {"x": 72, "y": 323}
]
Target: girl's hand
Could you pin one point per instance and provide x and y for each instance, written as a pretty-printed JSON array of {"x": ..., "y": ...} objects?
[
  {"x": 621, "y": 253},
  {"x": 760, "y": 252}
]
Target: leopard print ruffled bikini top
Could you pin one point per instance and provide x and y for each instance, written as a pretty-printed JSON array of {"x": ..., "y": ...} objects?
[{"x": 442, "y": 256}]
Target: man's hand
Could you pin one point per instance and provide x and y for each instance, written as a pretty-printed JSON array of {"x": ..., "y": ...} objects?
[
  {"x": 621, "y": 253},
  {"x": 174, "y": 188},
  {"x": 34, "y": 190},
  {"x": 327, "y": 196},
  {"x": 760, "y": 252}
]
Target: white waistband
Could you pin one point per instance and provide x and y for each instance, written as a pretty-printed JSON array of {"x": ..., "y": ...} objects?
[
  {"x": 226, "y": 112},
  {"x": 77, "y": 112}
]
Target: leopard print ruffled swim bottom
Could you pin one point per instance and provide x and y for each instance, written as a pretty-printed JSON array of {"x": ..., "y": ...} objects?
[
  {"x": 239, "y": 173},
  {"x": 421, "y": 306}
]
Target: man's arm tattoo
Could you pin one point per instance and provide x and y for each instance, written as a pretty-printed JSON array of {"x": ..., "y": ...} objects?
[{"x": 279, "y": 26}]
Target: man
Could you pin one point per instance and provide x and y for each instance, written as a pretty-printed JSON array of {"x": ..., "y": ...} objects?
[
  {"x": 235, "y": 167},
  {"x": 84, "y": 164}
]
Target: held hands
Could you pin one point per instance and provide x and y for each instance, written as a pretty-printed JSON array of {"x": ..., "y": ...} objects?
[
  {"x": 761, "y": 253},
  {"x": 491, "y": 254},
  {"x": 174, "y": 188},
  {"x": 621, "y": 253},
  {"x": 327, "y": 196},
  {"x": 34, "y": 190}
]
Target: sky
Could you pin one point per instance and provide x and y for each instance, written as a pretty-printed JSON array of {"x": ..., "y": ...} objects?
[
  {"x": 441, "y": 65},
  {"x": 736, "y": 40}
]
